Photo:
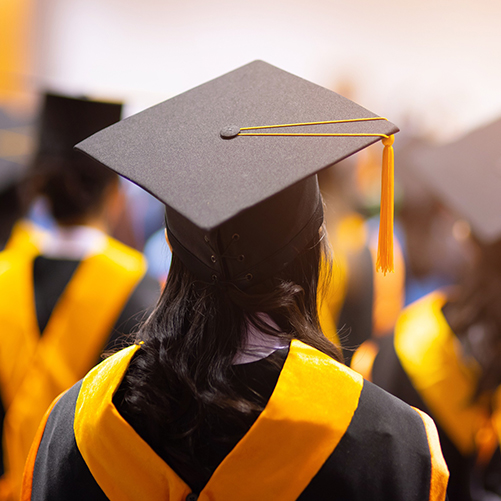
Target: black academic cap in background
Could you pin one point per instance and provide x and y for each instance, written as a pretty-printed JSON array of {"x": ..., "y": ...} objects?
[
  {"x": 64, "y": 121},
  {"x": 239, "y": 207},
  {"x": 465, "y": 175}
]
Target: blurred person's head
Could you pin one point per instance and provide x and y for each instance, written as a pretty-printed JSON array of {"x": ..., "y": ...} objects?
[
  {"x": 434, "y": 246},
  {"x": 77, "y": 188},
  {"x": 464, "y": 178}
]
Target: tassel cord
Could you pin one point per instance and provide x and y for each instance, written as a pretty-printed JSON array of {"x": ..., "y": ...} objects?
[{"x": 384, "y": 260}]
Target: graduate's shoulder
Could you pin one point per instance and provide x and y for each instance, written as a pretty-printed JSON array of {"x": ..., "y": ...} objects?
[
  {"x": 390, "y": 451},
  {"x": 57, "y": 465}
]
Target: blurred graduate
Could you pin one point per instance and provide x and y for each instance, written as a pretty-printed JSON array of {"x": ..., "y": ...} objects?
[
  {"x": 444, "y": 355},
  {"x": 67, "y": 295}
]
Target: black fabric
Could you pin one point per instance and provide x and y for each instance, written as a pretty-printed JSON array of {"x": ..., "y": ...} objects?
[
  {"x": 255, "y": 381},
  {"x": 138, "y": 307},
  {"x": 11, "y": 206},
  {"x": 389, "y": 374},
  {"x": 355, "y": 318},
  {"x": 383, "y": 456},
  {"x": 254, "y": 245},
  {"x": 491, "y": 476},
  {"x": 51, "y": 276},
  {"x": 60, "y": 473},
  {"x": 64, "y": 121}
]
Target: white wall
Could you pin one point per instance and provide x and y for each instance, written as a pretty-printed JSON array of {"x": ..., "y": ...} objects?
[{"x": 434, "y": 63}]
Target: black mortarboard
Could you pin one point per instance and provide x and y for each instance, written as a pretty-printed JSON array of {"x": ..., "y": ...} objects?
[
  {"x": 239, "y": 207},
  {"x": 64, "y": 121},
  {"x": 466, "y": 176}
]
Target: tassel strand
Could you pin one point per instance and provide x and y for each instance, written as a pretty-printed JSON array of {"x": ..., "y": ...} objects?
[{"x": 384, "y": 260}]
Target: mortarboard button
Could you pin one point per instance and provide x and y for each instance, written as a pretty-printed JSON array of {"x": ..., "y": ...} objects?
[{"x": 230, "y": 131}]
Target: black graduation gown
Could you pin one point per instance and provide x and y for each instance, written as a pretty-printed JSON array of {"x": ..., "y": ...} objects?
[
  {"x": 47, "y": 291},
  {"x": 384, "y": 449},
  {"x": 421, "y": 364}
]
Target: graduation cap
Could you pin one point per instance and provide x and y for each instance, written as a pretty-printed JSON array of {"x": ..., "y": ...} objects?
[
  {"x": 64, "y": 121},
  {"x": 466, "y": 176},
  {"x": 235, "y": 162}
]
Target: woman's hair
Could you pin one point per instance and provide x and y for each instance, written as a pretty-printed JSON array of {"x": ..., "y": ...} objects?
[
  {"x": 74, "y": 185},
  {"x": 474, "y": 315},
  {"x": 182, "y": 372}
]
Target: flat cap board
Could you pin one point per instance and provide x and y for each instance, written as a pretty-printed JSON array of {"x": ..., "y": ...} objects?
[
  {"x": 175, "y": 150},
  {"x": 466, "y": 176},
  {"x": 66, "y": 120}
]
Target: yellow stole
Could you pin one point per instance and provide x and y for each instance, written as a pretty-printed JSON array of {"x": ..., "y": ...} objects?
[
  {"x": 25, "y": 238},
  {"x": 286, "y": 446},
  {"x": 34, "y": 369},
  {"x": 431, "y": 356}
]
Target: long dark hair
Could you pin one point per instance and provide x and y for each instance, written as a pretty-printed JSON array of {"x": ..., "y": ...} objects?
[
  {"x": 182, "y": 372},
  {"x": 474, "y": 315}
]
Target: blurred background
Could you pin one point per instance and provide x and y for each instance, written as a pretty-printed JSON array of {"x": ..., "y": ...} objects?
[
  {"x": 434, "y": 63},
  {"x": 432, "y": 67}
]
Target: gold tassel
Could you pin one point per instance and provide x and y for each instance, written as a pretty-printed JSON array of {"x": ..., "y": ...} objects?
[{"x": 384, "y": 260}]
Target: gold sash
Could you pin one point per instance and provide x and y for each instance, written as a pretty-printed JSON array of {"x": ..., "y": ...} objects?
[
  {"x": 430, "y": 354},
  {"x": 26, "y": 237}
]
